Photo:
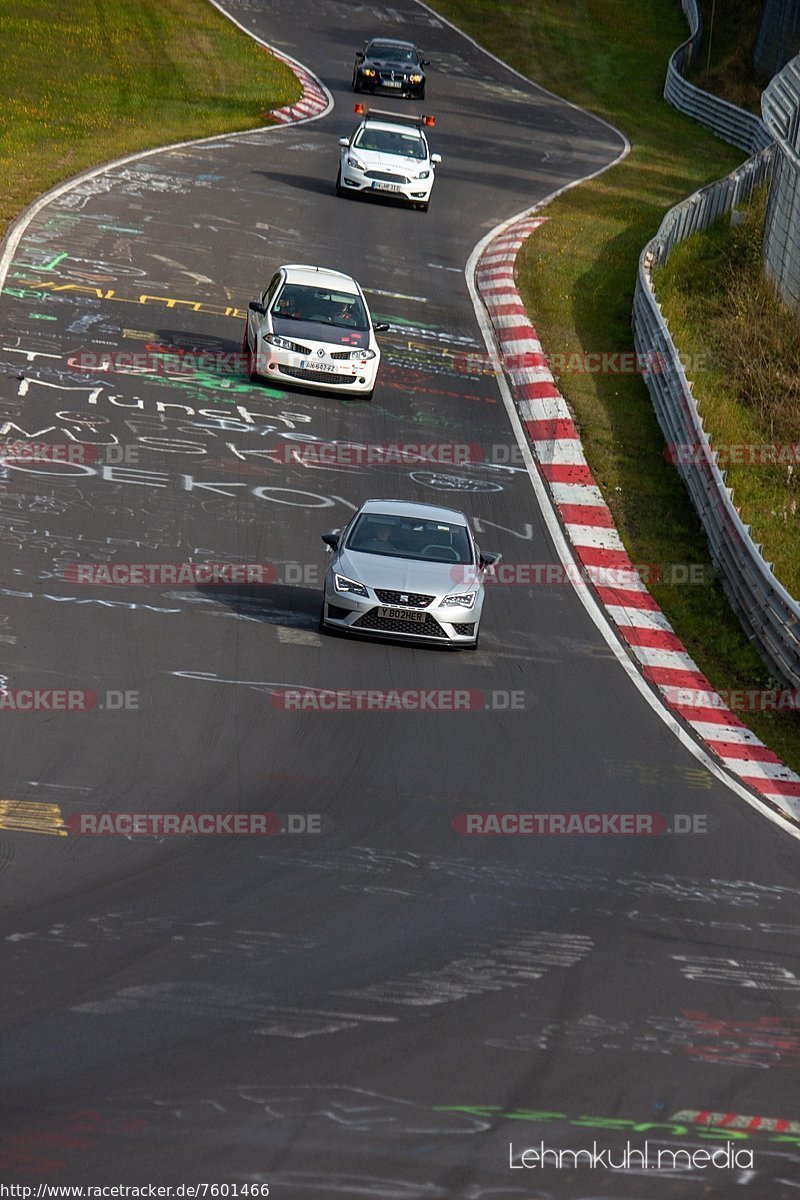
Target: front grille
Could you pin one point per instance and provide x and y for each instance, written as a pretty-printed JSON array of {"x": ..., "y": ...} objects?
[
  {"x": 410, "y": 599},
  {"x": 466, "y": 630},
  {"x": 341, "y": 353},
  {"x": 426, "y": 628},
  {"x": 385, "y": 177},
  {"x": 391, "y": 77},
  {"x": 316, "y": 376}
]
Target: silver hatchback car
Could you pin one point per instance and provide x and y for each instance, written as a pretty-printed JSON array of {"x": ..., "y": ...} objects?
[{"x": 406, "y": 570}]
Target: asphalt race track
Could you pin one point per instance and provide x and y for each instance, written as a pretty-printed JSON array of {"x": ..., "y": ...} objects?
[{"x": 378, "y": 1008}]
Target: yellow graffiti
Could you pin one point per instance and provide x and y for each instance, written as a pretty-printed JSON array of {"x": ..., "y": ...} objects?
[
  {"x": 198, "y": 306},
  {"x": 26, "y": 816}
]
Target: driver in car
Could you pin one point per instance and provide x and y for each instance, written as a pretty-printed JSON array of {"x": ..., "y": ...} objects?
[
  {"x": 380, "y": 540},
  {"x": 291, "y": 306},
  {"x": 342, "y": 314}
]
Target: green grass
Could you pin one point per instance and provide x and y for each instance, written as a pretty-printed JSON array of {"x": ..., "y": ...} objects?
[
  {"x": 729, "y": 72},
  {"x": 90, "y": 80},
  {"x": 577, "y": 275},
  {"x": 719, "y": 304}
]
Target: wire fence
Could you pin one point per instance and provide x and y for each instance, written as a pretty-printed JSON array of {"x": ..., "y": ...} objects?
[
  {"x": 770, "y": 615},
  {"x": 780, "y": 104},
  {"x": 727, "y": 121}
]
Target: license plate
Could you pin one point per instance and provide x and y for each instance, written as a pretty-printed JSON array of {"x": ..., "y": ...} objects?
[
  {"x": 402, "y": 614},
  {"x": 391, "y": 83},
  {"x": 311, "y": 364},
  {"x": 386, "y": 187}
]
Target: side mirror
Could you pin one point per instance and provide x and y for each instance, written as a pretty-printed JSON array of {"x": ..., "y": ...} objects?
[
  {"x": 257, "y": 307},
  {"x": 487, "y": 560},
  {"x": 436, "y": 159},
  {"x": 331, "y": 540},
  {"x": 381, "y": 327},
  {"x": 426, "y": 62},
  {"x": 344, "y": 143},
  {"x": 359, "y": 55}
]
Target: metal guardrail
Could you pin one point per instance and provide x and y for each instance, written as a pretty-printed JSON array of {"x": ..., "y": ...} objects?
[
  {"x": 727, "y": 121},
  {"x": 771, "y": 616},
  {"x": 780, "y": 104}
]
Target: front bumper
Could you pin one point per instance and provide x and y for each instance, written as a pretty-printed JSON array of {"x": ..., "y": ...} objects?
[
  {"x": 359, "y": 615},
  {"x": 279, "y": 367},
  {"x": 375, "y": 86},
  {"x": 416, "y": 191}
]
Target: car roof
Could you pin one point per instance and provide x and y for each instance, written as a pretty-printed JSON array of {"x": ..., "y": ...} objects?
[
  {"x": 412, "y": 508},
  {"x": 319, "y": 277},
  {"x": 390, "y": 125}
]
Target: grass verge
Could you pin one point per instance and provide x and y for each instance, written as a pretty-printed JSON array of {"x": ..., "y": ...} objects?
[
  {"x": 729, "y": 31},
  {"x": 92, "y": 80},
  {"x": 719, "y": 305},
  {"x": 577, "y": 274}
]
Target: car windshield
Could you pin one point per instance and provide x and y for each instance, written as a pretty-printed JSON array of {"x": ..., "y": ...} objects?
[
  {"x": 296, "y": 302},
  {"x": 400, "y": 54},
  {"x": 409, "y": 537},
  {"x": 406, "y": 144}
]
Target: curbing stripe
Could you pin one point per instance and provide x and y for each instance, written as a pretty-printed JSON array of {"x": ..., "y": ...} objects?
[
  {"x": 639, "y": 618},
  {"x": 554, "y": 439},
  {"x": 572, "y": 493},
  {"x": 712, "y": 733},
  {"x": 645, "y": 638},
  {"x": 594, "y": 538},
  {"x": 588, "y": 514}
]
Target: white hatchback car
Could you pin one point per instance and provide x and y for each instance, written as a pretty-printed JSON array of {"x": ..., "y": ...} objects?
[
  {"x": 388, "y": 155},
  {"x": 311, "y": 327}
]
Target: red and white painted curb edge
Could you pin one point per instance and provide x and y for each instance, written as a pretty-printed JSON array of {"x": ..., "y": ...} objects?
[
  {"x": 661, "y": 656},
  {"x": 315, "y": 101}
]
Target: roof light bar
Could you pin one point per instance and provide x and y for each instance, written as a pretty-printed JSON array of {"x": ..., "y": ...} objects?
[{"x": 381, "y": 114}]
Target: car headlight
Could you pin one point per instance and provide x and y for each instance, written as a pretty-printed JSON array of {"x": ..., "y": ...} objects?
[
  {"x": 354, "y": 162},
  {"x": 415, "y": 79},
  {"x": 285, "y": 344},
  {"x": 361, "y": 354},
  {"x": 343, "y": 584},
  {"x": 423, "y": 175},
  {"x": 459, "y": 600},
  {"x": 368, "y": 71}
]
